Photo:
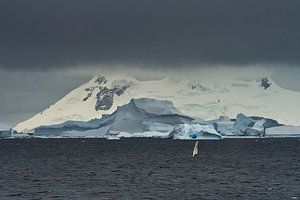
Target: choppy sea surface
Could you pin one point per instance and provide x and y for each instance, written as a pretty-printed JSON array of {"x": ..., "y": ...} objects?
[{"x": 149, "y": 169}]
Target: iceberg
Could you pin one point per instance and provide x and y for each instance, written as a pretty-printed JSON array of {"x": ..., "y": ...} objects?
[
  {"x": 146, "y": 134},
  {"x": 223, "y": 125},
  {"x": 158, "y": 127},
  {"x": 243, "y": 125},
  {"x": 159, "y": 118},
  {"x": 5, "y": 130},
  {"x": 60, "y": 129},
  {"x": 224, "y": 128},
  {"x": 283, "y": 131},
  {"x": 269, "y": 123},
  {"x": 93, "y": 133},
  {"x": 141, "y": 115},
  {"x": 194, "y": 131},
  {"x": 257, "y": 129},
  {"x": 138, "y": 117},
  {"x": 242, "y": 122}
]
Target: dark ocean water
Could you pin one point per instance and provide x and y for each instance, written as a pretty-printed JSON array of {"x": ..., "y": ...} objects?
[{"x": 149, "y": 169}]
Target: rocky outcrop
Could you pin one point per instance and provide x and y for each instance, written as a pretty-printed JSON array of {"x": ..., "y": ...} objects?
[
  {"x": 104, "y": 93},
  {"x": 265, "y": 83},
  {"x": 105, "y": 96}
]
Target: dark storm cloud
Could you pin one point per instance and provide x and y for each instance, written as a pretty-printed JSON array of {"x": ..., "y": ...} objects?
[{"x": 57, "y": 33}]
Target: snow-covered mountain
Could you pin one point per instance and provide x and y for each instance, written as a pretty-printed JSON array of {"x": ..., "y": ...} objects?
[{"x": 200, "y": 97}]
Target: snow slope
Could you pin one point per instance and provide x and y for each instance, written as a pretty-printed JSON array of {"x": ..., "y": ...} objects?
[{"x": 201, "y": 97}]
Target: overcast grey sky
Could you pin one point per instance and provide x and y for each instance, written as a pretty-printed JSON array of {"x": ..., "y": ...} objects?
[{"x": 42, "y": 43}]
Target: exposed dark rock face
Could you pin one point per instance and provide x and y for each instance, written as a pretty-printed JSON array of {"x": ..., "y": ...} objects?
[
  {"x": 198, "y": 86},
  {"x": 101, "y": 80},
  {"x": 105, "y": 97},
  {"x": 265, "y": 83},
  {"x": 90, "y": 90},
  {"x": 88, "y": 96},
  {"x": 120, "y": 90}
]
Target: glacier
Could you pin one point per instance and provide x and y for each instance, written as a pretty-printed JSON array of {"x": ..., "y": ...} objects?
[
  {"x": 146, "y": 117},
  {"x": 140, "y": 117},
  {"x": 58, "y": 129}
]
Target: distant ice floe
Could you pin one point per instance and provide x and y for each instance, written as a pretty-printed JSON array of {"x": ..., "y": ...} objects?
[
  {"x": 283, "y": 131},
  {"x": 194, "y": 131},
  {"x": 262, "y": 127},
  {"x": 5, "y": 130}
]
